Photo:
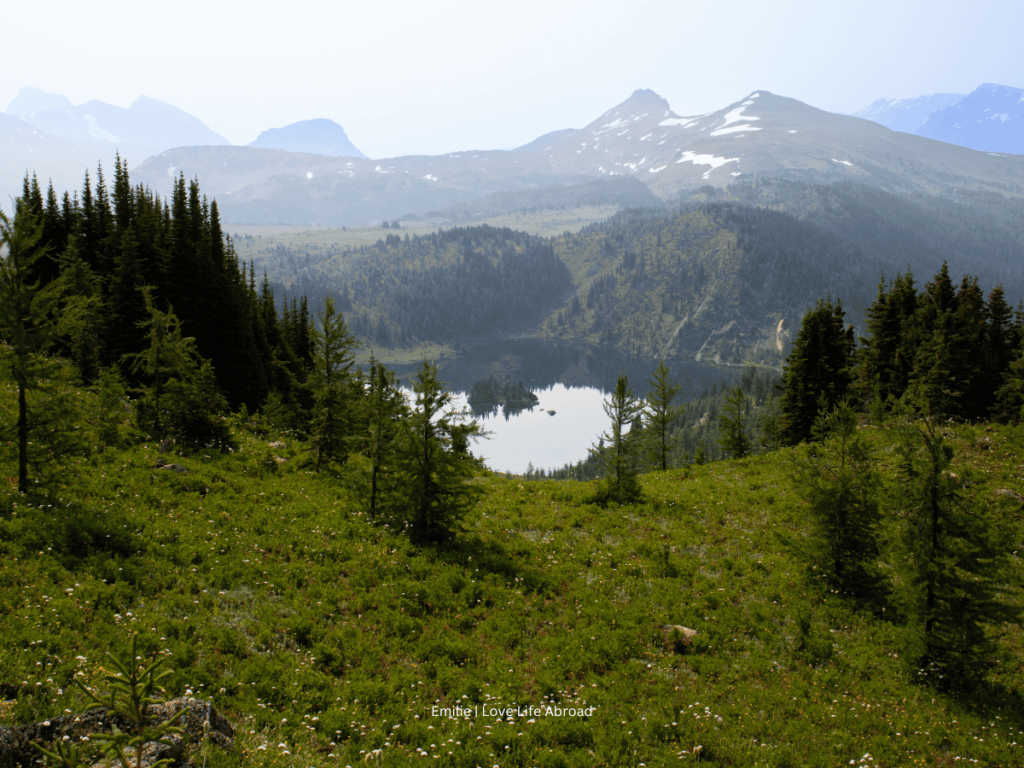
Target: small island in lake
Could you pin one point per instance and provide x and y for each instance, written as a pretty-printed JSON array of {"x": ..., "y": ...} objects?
[{"x": 487, "y": 395}]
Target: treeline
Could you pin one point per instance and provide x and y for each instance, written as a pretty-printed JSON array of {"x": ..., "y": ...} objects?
[
  {"x": 923, "y": 550},
  {"x": 944, "y": 352},
  {"x": 148, "y": 302},
  {"x": 452, "y": 285},
  {"x": 105, "y": 245}
]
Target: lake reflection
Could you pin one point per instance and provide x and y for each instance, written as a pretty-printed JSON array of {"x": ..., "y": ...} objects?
[
  {"x": 539, "y": 437},
  {"x": 572, "y": 381}
]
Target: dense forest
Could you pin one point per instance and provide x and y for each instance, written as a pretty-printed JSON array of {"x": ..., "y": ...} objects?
[
  {"x": 456, "y": 284},
  {"x": 148, "y": 301},
  {"x": 101, "y": 247},
  {"x": 722, "y": 275}
]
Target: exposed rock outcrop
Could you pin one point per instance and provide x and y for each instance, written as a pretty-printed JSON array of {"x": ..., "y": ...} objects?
[{"x": 16, "y": 750}]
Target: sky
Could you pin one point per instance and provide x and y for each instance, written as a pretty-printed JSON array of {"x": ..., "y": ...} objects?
[{"x": 407, "y": 77}]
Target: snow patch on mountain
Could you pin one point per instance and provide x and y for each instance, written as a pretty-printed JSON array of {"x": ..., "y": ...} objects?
[
  {"x": 690, "y": 156},
  {"x": 735, "y": 116},
  {"x": 97, "y": 131}
]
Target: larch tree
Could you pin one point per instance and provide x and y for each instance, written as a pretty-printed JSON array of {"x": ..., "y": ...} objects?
[
  {"x": 959, "y": 563},
  {"x": 434, "y": 461},
  {"x": 619, "y": 454},
  {"x": 659, "y": 413}
]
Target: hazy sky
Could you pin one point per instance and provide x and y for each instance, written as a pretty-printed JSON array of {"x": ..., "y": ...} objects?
[{"x": 431, "y": 76}]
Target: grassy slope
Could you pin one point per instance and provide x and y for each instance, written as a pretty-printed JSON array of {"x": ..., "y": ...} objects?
[{"x": 312, "y": 629}]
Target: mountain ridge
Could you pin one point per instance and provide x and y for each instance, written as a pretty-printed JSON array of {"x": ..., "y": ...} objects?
[
  {"x": 988, "y": 119},
  {"x": 762, "y": 134}
]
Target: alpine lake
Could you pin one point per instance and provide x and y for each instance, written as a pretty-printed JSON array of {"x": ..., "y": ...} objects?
[{"x": 571, "y": 383}]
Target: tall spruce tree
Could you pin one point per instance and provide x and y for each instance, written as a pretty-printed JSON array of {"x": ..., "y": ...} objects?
[
  {"x": 433, "y": 461},
  {"x": 27, "y": 320},
  {"x": 959, "y": 563},
  {"x": 168, "y": 356},
  {"x": 886, "y": 359},
  {"x": 331, "y": 384},
  {"x": 386, "y": 408},
  {"x": 818, "y": 372},
  {"x": 732, "y": 425},
  {"x": 841, "y": 487},
  {"x": 659, "y": 413}
]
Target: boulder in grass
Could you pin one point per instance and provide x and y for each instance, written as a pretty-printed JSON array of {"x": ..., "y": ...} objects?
[
  {"x": 172, "y": 467},
  {"x": 678, "y": 636}
]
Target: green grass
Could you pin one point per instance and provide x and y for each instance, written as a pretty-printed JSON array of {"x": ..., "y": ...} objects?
[{"x": 311, "y": 628}]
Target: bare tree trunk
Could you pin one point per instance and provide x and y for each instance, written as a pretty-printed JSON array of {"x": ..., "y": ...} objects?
[{"x": 22, "y": 439}]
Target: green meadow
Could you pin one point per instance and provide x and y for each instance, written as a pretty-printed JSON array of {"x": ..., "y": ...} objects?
[{"x": 539, "y": 630}]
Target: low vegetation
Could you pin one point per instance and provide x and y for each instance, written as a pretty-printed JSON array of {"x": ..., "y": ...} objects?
[{"x": 326, "y": 637}]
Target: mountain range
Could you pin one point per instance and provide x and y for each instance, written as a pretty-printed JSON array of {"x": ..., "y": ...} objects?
[
  {"x": 44, "y": 133},
  {"x": 762, "y": 134},
  {"x": 989, "y": 119},
  {"x": 310, "y": 172}
]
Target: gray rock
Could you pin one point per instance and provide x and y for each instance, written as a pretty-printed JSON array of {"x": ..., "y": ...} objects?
[
  {"x": 172, "y": 467},
  {"x": 16, "y": 749}
]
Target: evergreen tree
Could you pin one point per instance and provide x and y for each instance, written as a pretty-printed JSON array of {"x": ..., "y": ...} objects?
[
  {"x": 331, "y": 384},
  {"x": 841, "y": 488},
  {"x": 769, "y": 428},
  {"x": 970, "y": 350},
  {"x": 169, "y": 357},
  {"x": 1000, "y": 347},
  {"x": 620, "y": 455},
  {"x": 434, "y": 462},
  {"x": 817, "y": 374},
  {"x": 27, "y": 323},
  {"x": 959, "y": 564},
  {"x": 387, "y": 408},
  {"x": 936, "y": 388},
  {"x": 659, "y": 413},
  {"x": 81, "y": 311},
  {"x": 1010, "y": 396},
  {"x": 732, "y": 427},
  {"x": 886, "y": 359}
]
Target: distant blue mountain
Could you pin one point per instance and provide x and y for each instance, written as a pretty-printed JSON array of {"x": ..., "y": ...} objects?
[
  {"x": 316, "y": 137},
  {"x": 991, "y": 119},
  {"x": 147, "y": 127},
  {"x": 907, "y": 115},
  {"x": 31, "y": 100}
]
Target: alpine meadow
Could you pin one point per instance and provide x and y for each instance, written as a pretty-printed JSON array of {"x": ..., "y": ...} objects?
[{"x": 247, "y": 516}]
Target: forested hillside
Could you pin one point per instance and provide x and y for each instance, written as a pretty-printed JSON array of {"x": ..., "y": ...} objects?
[
  {"x": 729, "y": 275},
  {"x": 458, "y": 284},
  {"x": 722, "y": 276}
]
